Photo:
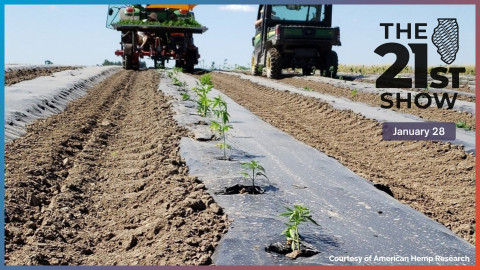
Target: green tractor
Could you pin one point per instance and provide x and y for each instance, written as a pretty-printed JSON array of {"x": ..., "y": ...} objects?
[{"x": 295, "y": 36}]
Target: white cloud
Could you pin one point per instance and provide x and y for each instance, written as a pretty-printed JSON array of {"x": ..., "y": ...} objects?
[{"x": 240, "y": 8}]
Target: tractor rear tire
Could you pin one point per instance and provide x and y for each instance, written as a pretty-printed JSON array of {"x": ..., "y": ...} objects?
[
  {"x": 273, "y": 64},
  {"x": 179, "y": 64},
  {"x": 189, "y": 66},
  {"x": 127, "y": 62},
  {"x": 254, "y": 68},
  {"x": 190, "y": 63},
  {"x": 331, "y": 60},
  {"x": 306, "y": 71}
]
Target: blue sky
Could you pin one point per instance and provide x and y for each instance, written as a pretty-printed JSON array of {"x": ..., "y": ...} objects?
[{"x": 76, "y": 35}]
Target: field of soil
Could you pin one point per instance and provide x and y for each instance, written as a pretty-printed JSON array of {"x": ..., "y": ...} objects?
[
  {"x": 438, "y": 179},
  {"x": 103, "y": 184},
  {"x": 23, "y": 74},
  {"x": 432, "y": 113}
]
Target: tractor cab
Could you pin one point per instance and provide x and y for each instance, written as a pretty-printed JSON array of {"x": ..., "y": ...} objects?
[{"x": 315, "y": 15}]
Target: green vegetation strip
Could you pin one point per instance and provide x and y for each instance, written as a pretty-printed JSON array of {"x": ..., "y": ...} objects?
[
  {"x": 377, "y": 69},
  {"x": 180, "y": 23}
]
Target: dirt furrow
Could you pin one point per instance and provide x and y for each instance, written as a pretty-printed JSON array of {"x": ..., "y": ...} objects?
[
  {"x": 20, "y": 75},
  {"x": 435, "y": 178},
  {"x": 121, "y": 196},
  {"x": 433, "y": 114},
  {"x": 37, "y": 164}
]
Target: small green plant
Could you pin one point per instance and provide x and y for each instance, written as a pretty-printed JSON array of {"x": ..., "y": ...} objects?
[
  {"x": 219, "y": 108},
  {"x": 205, "y": 83},
  {"x": 340, "y": 77},
  {"x": 202, "y": 89},
  {"x": 354, "y": 92},
  {"x": 188, "y": 22},
  {"x": 173, "y": 76},
  {"x": 206, "y": 80},
  {"x": 306, "y": 88},
  {"x": 331, "y": 69},
  {"x": 464, "y": 125},
  {"x": 177, "y": 82},
  {"x": 177, "y": 70},
  {"x": 204, "y": 103},
  {"x": 296, "y": 216},
  {"x": 255, "y": 169},
  {"x": 185, "y": 96},
  {"x": 182, "y": 85},
  {"x": 174, "y": 72}
]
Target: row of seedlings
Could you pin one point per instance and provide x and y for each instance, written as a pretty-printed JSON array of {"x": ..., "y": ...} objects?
[{"x": 296, "y": 215}]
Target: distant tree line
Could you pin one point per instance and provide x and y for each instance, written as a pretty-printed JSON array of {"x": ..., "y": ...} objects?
[
  {"x": 110, "y": 63},
  {"x": 119, "y": 63}
]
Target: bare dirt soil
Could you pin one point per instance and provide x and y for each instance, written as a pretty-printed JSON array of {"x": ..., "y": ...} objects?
[
  {"x": 103, "y": 184},
  {"x": 19, "y": 75},
  {"x": 432, "y": 113},
  {"x": 437, "y": 179}
]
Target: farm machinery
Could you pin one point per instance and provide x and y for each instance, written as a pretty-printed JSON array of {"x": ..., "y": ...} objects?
[
  {"x": 295, "y": 36},
  {"x": 161, "y": 32}
]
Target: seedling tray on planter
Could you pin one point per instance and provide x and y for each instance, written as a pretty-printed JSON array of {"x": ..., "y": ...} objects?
[{"x": 160, "y": 28}]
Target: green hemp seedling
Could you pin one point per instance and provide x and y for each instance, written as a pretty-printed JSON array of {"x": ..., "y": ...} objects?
[
  {"x": 354, "y": 92},
  {"x": 255, "y": 170},
  {"x": 306, "y": 88},
  {"x": 185, "y": 96},
  {"x": 177, "y": 70},
  {"x": 177, "y": 82},
  {"x": 174, "y": 72},
  {"x": 464, "y": 125},
  {"x": 296, "y": 216},
  {"x": 331, "y": 69},
  {"x": 221, "y": 126},
  {"x": 188, "y": 22},
  {"x": 204, "y": 103},
  {"x": 206, "y": 80}
]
